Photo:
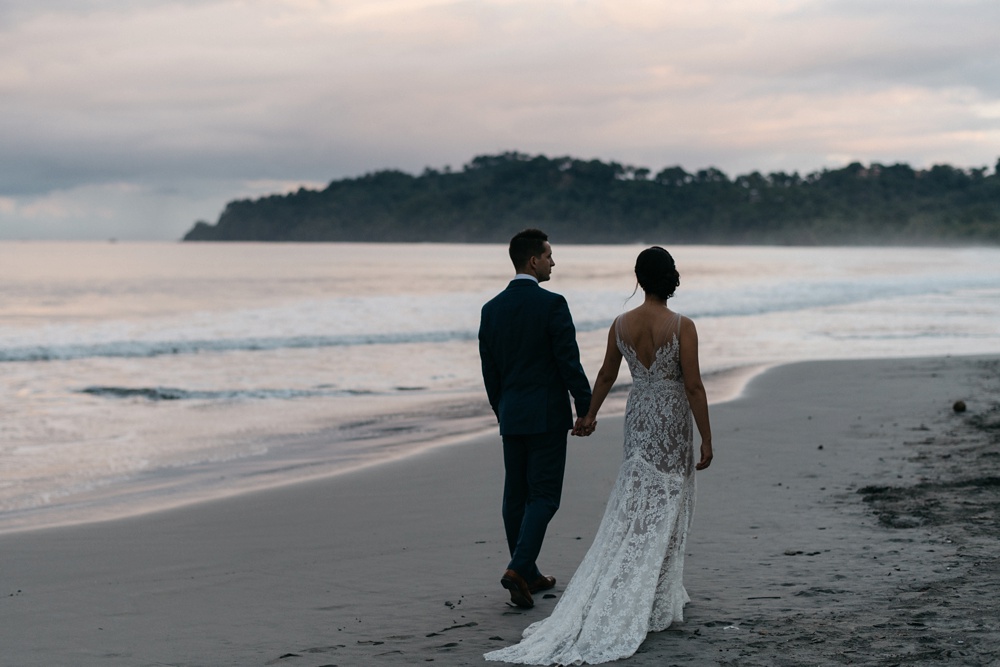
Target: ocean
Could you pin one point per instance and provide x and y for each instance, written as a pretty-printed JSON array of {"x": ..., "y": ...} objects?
[{"x": 141, "y": 376}]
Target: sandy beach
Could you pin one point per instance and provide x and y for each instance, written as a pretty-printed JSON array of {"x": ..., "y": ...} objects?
[{"x": 850, "y": 517}]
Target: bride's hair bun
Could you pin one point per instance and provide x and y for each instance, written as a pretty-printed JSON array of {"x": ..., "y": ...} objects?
[{"x": 656, "y": 272}]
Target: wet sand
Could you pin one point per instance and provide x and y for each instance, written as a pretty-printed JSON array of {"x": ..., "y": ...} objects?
[{"x": 850, "y": 517}]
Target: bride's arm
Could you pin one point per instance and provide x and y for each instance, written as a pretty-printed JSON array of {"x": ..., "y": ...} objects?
[
  {"x": 602, "y": 385},
  {"x": 695, "y": 389}
]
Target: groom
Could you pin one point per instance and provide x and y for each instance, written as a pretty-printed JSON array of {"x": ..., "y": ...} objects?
[{"x": 531, "y": 363}]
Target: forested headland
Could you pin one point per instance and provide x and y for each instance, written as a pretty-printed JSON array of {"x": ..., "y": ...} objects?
[{"x": 590, "y": 201}]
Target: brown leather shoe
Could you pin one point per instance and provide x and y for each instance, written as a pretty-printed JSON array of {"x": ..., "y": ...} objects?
[
  {"x": 542, "y": 583},
  {"x": 520, "y": 594}
]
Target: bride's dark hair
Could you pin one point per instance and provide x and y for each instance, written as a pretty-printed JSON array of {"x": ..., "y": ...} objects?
[{"x": 656, "y": 272}]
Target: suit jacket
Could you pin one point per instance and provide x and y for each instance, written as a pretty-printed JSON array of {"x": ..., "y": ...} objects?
[{"x": 531, "y": 363}]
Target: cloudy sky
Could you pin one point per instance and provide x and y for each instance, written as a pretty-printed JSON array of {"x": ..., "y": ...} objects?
[{"x": 134, "y": 118}]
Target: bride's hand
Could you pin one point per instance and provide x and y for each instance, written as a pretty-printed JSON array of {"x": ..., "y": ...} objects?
[
  {"x": 584, "y": 426},
  {"x": 706, "y": 455}
]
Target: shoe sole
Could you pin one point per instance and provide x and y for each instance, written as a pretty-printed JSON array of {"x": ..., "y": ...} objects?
[{"x": 516, "y": 596}]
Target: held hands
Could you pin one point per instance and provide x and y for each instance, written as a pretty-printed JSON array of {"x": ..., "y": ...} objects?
[
  {"x": 584, "y": 426},
  {"x": 706, "y": 455}
]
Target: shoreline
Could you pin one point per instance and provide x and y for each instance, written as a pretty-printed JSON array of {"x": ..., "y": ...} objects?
[
  {"x": 290, "y": 459},
  {"x": 398, "y": 563}
]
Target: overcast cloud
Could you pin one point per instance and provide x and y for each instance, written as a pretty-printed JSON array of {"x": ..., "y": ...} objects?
[{"x": 132, "y": 119}]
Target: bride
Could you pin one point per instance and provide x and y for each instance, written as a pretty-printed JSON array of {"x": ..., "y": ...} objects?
[{"x": 630, "y": 581}]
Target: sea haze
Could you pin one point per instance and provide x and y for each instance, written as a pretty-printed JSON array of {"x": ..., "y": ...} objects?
[{"x": 141, "y": 376}]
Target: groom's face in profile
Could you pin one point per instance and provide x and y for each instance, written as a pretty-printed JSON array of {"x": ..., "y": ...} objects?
[{"x": 543, "y": 264}]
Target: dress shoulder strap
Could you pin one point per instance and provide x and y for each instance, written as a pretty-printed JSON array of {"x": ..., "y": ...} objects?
[
  {"x": 671, "y": 326},
  {"x": 620, "y": 327}
]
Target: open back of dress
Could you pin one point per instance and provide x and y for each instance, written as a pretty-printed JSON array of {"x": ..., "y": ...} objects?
[{"x": 630, "y": 581}]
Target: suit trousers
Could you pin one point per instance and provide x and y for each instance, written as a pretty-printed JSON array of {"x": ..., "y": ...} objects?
[{"x": 534, "y": 466}]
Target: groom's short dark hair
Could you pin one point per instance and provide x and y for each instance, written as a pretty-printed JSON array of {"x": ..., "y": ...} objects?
[{"x": 525, "y": 245}]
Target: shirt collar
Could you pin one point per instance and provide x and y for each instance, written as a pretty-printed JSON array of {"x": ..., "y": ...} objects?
[{"x": 525, "y": 276}]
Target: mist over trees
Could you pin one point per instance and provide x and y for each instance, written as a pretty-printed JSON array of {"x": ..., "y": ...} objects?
[{"x": 589, "y": 201}]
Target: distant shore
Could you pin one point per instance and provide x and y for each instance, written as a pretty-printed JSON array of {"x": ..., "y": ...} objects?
[
  {"x": 589, "y": 201},
  {"x": 849, "y": 518}
]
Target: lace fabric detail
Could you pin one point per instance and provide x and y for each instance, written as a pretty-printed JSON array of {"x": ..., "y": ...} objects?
[{"x": 630, "y": 581}]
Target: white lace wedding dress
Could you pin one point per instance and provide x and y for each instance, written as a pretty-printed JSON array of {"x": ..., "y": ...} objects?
[{"x": 629, "y": 583}]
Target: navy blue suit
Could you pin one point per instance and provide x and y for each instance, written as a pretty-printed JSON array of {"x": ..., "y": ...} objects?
[{"x": 531, "y": 365}]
